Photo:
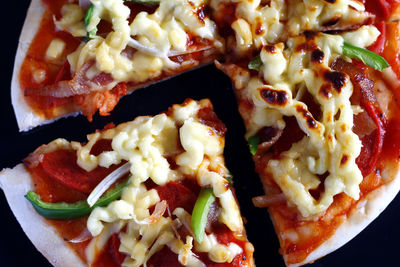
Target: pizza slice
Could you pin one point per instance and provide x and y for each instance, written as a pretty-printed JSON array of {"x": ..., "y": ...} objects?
[
  {"x": 150, "y": 192},
  {"x": 248, "y": 25},
  {"x": 83, "y": 56},
  {"x": 322, "y": 125}
]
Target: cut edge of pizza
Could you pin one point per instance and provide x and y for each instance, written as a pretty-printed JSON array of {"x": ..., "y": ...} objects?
[
  {"x": 326, "y": 175},
  {"x": 163, "y": 186},
  {"x": 366, "y": 211},
  {"x": 70, "y": 60}
]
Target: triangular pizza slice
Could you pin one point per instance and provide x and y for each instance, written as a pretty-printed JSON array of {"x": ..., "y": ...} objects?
[
  {"x": 83, "y": 56},
  {"x": 151, "y": 192},
  {"x": 323, "y": 131}
]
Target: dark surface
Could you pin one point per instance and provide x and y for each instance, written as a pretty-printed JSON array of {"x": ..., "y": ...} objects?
[{"x": 377, "y": 245}]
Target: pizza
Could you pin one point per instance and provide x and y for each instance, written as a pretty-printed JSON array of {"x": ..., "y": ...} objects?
[
  {"x": 316, "y": 84},
  {"x": 151, "y": 192},
  {"x": 320, "y": 112},
  {"x": 84, "y": 56}
]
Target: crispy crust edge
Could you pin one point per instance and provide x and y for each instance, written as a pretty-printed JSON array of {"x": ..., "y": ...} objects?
[
  {"x": 24, "y": 114},
  {"x": 16, "y": 183},
  {"x": 26, "y": 117},
  {"x": 366, "y": 210}
]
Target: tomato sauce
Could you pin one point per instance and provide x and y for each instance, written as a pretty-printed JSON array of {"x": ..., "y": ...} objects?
[
  {"x": 51, "y": 72},
  {"x": 381, "y": 148},
  {"x": 35, "y": 60},
  {"x": 58, "y": 178}
]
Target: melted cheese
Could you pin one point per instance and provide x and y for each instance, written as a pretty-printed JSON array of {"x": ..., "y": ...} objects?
[
  {"x": 279, "y": 19},
  {"x": 39, "y": 75},
  {"x": 329, "y": 147},
  {"x": 145, "y": 143},
  {"x": 55, "y": 49},
  {"x": 72, "y": 20},
  {"x": 153, "y": 37}
]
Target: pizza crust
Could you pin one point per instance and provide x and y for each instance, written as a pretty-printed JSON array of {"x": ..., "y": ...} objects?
[
  {"x": 26, "y": 117},
  {"x": 361, "y": 216},
  {"x": 16, "y": 183}
]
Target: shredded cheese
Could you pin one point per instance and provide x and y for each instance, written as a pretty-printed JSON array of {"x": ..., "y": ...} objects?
[
  {"x": 329, "y": 145},
  {"x": 145, "y": 143},
  {"x": 153, "y": 37},
  {"x": 55, "y": 49},
  {"x": 259, "y": 24}
]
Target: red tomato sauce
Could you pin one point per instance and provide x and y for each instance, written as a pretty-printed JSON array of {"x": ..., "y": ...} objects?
[
  {"x": 104, "y": 102},
  {"x": 388, "y": 154},
  {"x": 58, "y": 178}
]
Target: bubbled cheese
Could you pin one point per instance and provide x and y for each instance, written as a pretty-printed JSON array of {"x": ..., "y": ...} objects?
[
  {"x": 153, "y": 37},
  {"x": 269, "y": 23},
  {"x": 329, "y": 145},
  {"x": 145, "y": 143}
]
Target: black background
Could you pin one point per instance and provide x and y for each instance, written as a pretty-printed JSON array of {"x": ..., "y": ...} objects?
[{"x": 377, "y": 245}]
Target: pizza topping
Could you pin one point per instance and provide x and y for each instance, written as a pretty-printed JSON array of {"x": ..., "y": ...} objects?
[
  {"x": 39, "y": 75},
  {"x": 171, "y": 150},
  {"x": 200, "y": 212},
  {"x": 72, "y": 20},
  {"x": 88, "y": 17},
  {"x": 253, "y": 144},
  {"x": 67, "y": 211},
  {"x": 155, "y": 37},
  {"x": 55, "y": 49},
  {"x": 369, "y": 58},
  {"x": 256, "y": 24},
  {"x": 255, "y": 63},
  {"x": 106, "y": 183},
  {"x": 289, "y": 73}
]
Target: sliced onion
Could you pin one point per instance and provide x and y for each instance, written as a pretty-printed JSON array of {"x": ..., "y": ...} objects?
[
  {"x": 84, "y": 236},
  {"x": 268, "y": 200},
  {"x": 102, "y": 187},
  {"x": 174, "y": 224},
  {"x": 60, "y": 89},
  {"x": 157, "y": 213},
  {"x": 174, "y": 53},
  {"x": 147, "y": 50}
]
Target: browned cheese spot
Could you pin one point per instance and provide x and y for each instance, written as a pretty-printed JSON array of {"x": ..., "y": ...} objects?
[
  {"x": 200, "y": 12},
  {"x": 307, "y": 115},
  {"x": 259, "y": 27},
  {"x": 317, "y": 56},
  {"x": 344, "y": 159},
  {"x": 330, "y": 1},
  {"x": 337, "y": 79},
  {"x": 310, "y": 34},
  {"x": 309, "y": 46},
  {"x": 270, "y": 49},
  {"x": 274, "y": 97},
  {"x": 325, "y": 91}
]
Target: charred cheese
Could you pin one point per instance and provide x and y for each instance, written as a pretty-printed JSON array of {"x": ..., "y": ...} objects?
[
  {"x": 151, "y": 38},
  {"x": 258, "y": 23},
  {"x": 146, "y": 143},
  {"x": 329, "y": 146}
]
